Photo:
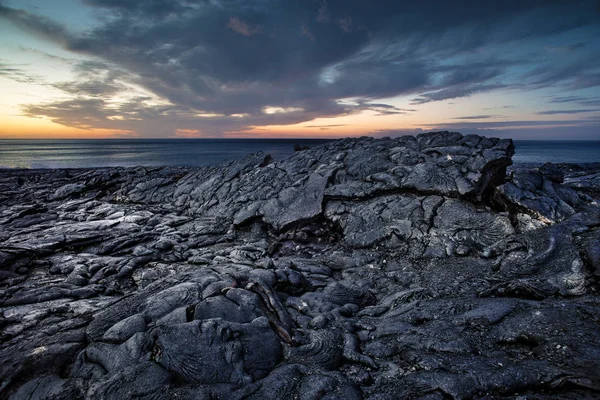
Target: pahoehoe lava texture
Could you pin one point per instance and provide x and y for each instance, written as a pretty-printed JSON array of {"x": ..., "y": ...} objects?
[{"x": 417, "y": 267}]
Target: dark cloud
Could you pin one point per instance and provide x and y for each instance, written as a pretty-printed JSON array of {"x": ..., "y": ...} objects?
[
  {"x": 580, "y": 100},
  {"x": 478, "y": 117},
  {"x": 80, "y": 113},
  {"x": 345, "y": 23},
  {"x": 573, "y": 72},
  {"x": 382, "y": 109},
  {"x": 497, "y": 108},
  {"x": 565, "y": 49},
  {"x": 456, "y": 92},
  {"x": 326, "y": 126},
  {"x": 552, "y": 112},
  {"x": 376, "y": 78},
  {"x": 239, "y": 26},
  {"x": 463, "y": 80},
  {"x": 147, "y": 8},
  {"x": 587, "y": 80},
  {"x": 90, "y": 87},
  {"x": 138, "y": 114},
  {"x": 237, "y": 58},
  {"x": 95, "y": 79},
  {"x": 305, "y": 31},
  {"x": 36, "y": 24},
  {"x": 322, "y": 14}
]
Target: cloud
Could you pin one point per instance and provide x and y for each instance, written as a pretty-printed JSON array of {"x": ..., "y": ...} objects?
[
  {"x": 80, "y": 113},
  {"x": 147, "y": 8},
  {"x": 47, "y": 55},
  {"x": 458, "y": 91},
  {"x": 322, "y": 14},
  {"x": 497, "y": 108},
  {"x": 239, "y": 26},
  {"x": 233, "y": 58},
  {"x": 305, "y": 31},
  {"x": 505, "y": 124},
  {"x": 345, "y": 23},
  {"x": 586, "y": 80},
  {"x": 381, "y": 109},
  {"x": 477, "y": 117},
  {"x": 580, "y": 100},
  {"x": 92, "y": 86},
  {"x": 326, "y": 126},
  {"x": 36, "y": 24},
  {"x": 553, "y": 112},
  {"x": 573, "y": 72},
  {"x": 565, "y": 49},
  {"x": 17, "y": 73}
]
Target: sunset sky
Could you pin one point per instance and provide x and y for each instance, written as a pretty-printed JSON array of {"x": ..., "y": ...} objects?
[{"x": 298, "y": 68}]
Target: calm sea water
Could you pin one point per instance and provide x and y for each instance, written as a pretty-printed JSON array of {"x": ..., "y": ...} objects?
[
  {"x": 134, "y": 152},
  {"x": 557, "y": 151},
  {"x": 156, "y": 152}
]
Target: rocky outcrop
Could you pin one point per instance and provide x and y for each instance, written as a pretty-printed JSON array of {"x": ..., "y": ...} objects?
[{"x": 413, "y": 267}]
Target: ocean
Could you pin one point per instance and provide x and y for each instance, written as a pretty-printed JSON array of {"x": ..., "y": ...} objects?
[{"x": 17, "y": 153}]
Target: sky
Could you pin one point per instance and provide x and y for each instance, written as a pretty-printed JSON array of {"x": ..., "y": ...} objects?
[{"x": 299, "y": 68}]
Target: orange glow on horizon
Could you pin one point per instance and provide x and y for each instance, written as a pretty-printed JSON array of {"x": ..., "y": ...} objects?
[
  {"x": 296, "y": 131},
  {"x": 360, "y": 124},
  {"x": 21, "y": 127},
  {"x": 188, "y": 133}
]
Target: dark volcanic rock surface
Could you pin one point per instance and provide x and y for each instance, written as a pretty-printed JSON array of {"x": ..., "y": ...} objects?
[{"x": 378, "y": 269}]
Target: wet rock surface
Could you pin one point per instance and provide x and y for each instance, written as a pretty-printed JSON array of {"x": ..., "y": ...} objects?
[{"x": 414, "y": 267}]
